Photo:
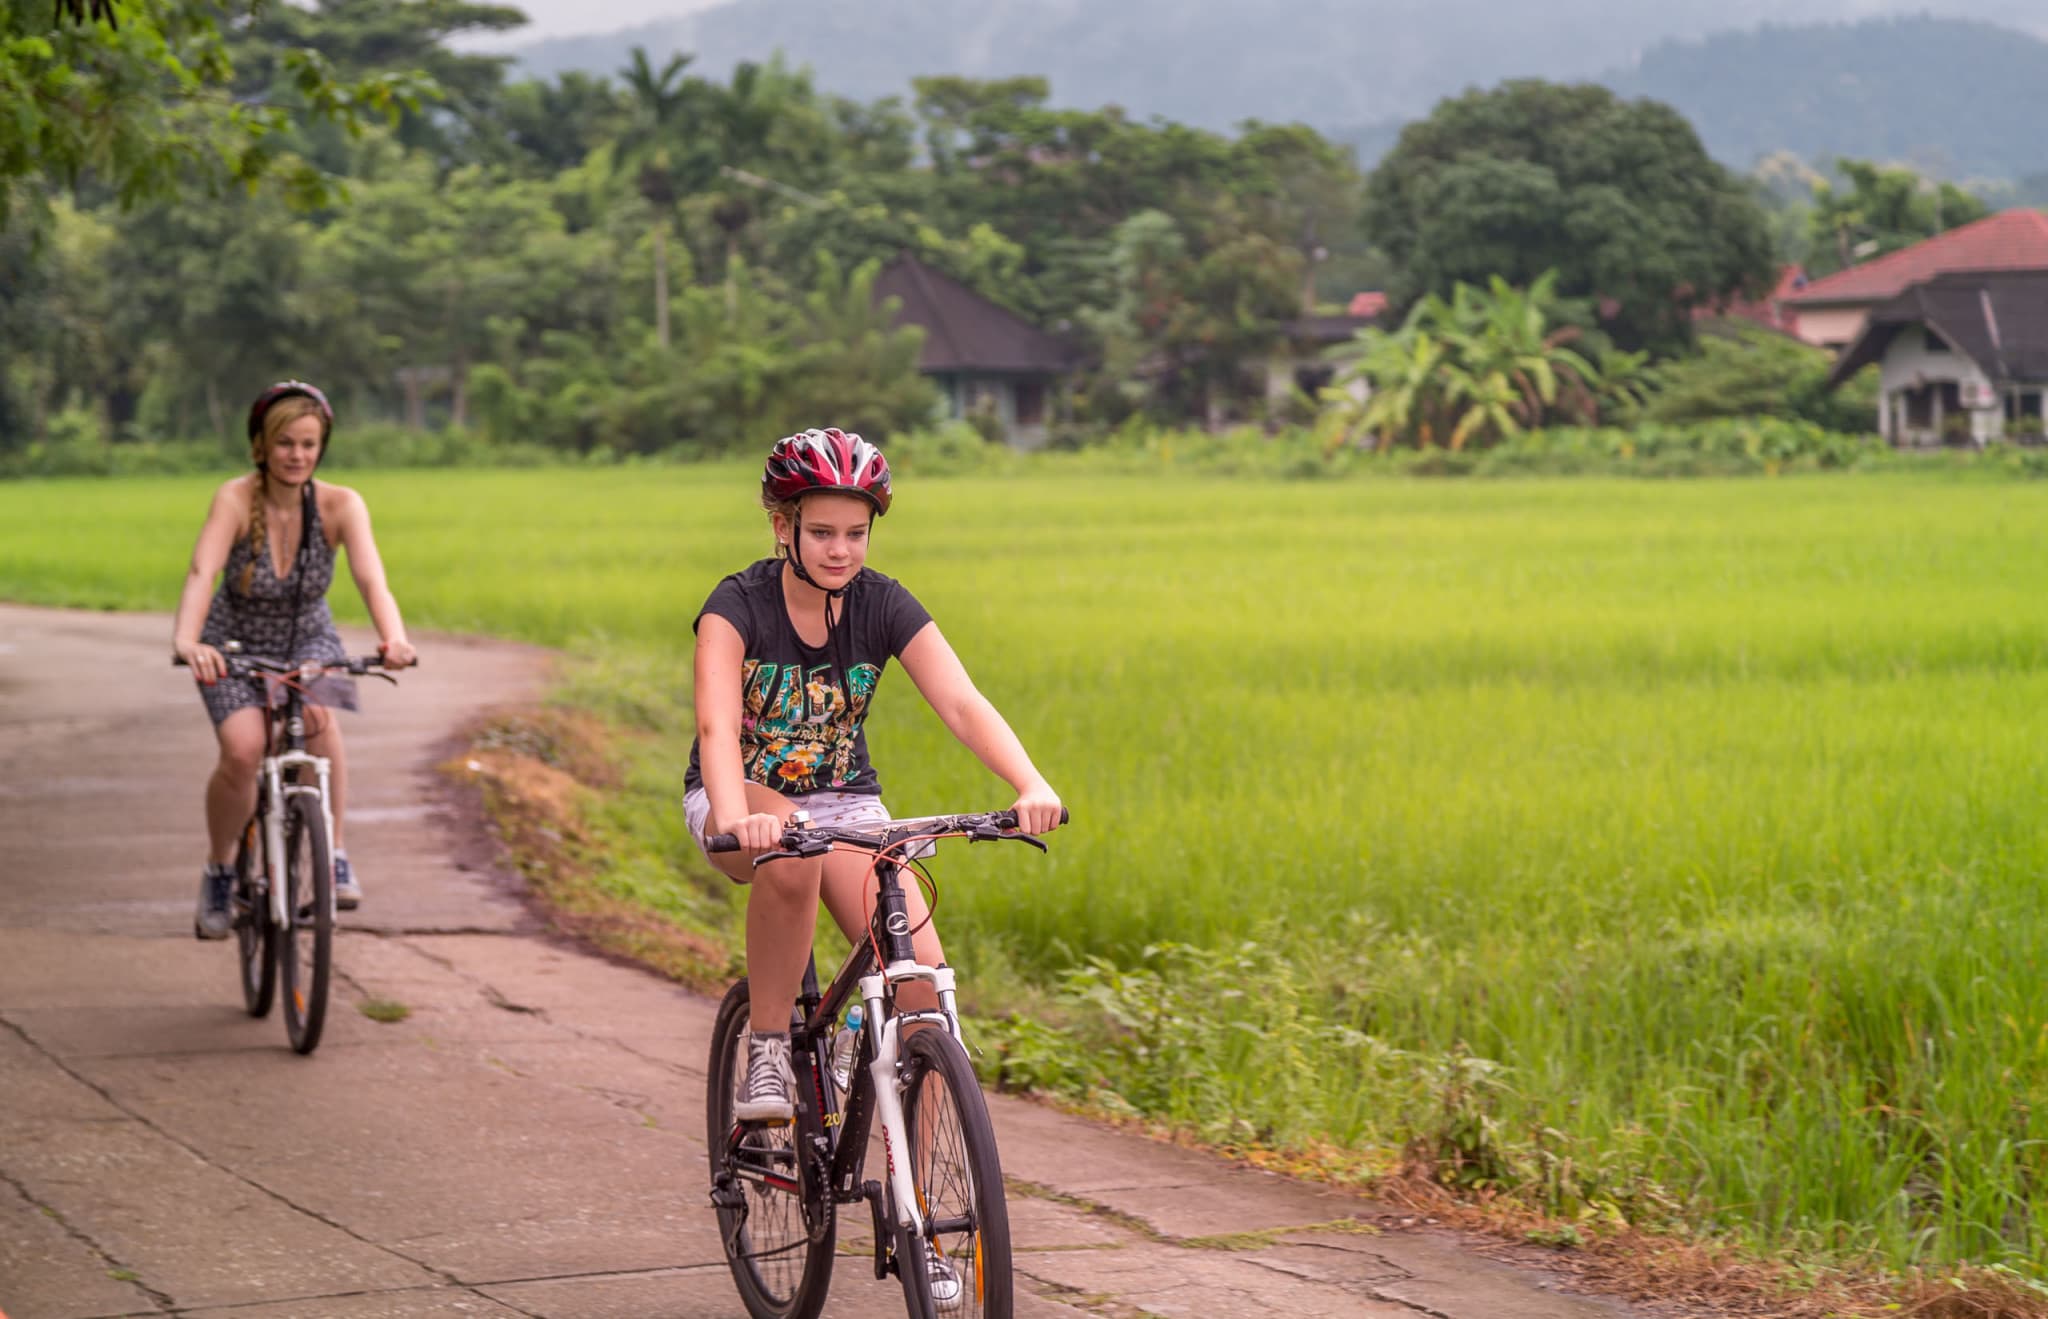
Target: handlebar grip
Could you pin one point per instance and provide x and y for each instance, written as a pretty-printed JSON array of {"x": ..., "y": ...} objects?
[
  {"x": 721, "y": 843},
  {"x": 1009, "y": 818}
]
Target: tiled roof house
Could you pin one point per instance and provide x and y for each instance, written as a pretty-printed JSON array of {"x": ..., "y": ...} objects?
[
  {"x": 1962, "y": 358},
  {"x": 1831, "y": 311}
]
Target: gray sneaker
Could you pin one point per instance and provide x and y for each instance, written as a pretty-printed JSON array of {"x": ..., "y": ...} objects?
[
  {"x": 348, "y": 894},
  {"x": 945, "y": 1281},
  {"x": 764, "y": 1096},
  {"x": 214, "y": 918}
]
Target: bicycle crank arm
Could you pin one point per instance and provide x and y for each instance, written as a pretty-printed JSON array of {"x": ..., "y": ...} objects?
[{"x": 885, "y": 1231}]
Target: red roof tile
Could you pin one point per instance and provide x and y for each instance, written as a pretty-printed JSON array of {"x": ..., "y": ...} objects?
[
  {"x": 1771, "y": 312},
  {"x": 1370, "y": 303},
  {"x": 2010, "y": 240}
]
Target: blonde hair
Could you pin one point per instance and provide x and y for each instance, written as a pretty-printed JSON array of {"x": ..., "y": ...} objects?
[
  {"x": 275, "y": 418},
  {"x": 786, "y": 509}
]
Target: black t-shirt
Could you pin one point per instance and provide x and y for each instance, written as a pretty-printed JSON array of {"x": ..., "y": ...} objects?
[{"x": 800, "y": 731}]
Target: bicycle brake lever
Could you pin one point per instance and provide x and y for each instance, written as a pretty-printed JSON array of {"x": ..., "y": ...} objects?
[
  {"x": 994, "y": 835},
  {"x": 810, "y": 847}
]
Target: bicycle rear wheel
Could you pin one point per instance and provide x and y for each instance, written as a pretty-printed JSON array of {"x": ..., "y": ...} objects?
[
  {"x": 306, "y": 946},
  {"x": 959, "y": 1181},
  {"x": 255, "y": 934},
  {"x": 778, "y": 1235}
]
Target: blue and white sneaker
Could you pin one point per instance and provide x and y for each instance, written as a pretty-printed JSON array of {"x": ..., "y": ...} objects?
[
  {"x": 348, "y": 893},
  {"x": 215, "y": 915}
]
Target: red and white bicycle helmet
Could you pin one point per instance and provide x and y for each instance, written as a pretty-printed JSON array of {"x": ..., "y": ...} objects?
[{"x": 827, "y": 460}]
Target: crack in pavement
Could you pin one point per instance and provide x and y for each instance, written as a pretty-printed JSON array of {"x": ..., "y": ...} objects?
[
  {"x": 116, "y": 1270},
  {"x": 497, "y": 998},
  {"x": 1095, "y": 1303},
  {"x": 208, "y": 1161}
]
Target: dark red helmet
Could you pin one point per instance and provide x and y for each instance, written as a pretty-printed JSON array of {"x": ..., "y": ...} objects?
[
  {"x": 285, "y": 389},
  {"x": 829, "y": 459}
]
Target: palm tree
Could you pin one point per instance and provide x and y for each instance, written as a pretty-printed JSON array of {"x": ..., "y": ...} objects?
[{"x": 657, "y": 148}]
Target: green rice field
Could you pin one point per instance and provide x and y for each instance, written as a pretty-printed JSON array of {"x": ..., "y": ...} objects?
[{"x": 1713, "y": 812}]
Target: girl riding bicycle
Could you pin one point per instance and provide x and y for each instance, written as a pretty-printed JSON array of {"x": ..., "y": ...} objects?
[
  {"x": 271, "y": 536},
  {"x": 789, "y": 652}
]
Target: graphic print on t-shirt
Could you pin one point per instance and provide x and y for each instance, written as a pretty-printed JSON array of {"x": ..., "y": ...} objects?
[{"x": 799, "y": 725}]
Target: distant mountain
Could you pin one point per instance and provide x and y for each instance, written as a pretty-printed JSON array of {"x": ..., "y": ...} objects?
[
  {"x": 1955, "y": 99},
  {"x": 1338, "y": 64}
]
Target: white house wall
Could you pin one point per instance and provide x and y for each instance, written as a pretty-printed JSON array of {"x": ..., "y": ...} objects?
[{"x": 1907, "y": 363}]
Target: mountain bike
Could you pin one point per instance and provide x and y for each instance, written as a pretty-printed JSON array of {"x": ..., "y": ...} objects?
[
  {"x": 283, "y": 899},
  {"x": 777, "y": 1187}
]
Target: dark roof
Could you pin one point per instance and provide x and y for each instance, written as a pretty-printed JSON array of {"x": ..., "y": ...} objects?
[
  {"x": 964, "y": 331},
  {"x": 2015, "y": 239},
  {"x": 1326, "y": 329},
  {"x": 1999, "y": 319}
]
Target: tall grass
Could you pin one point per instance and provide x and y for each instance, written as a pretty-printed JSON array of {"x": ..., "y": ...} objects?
[{"x": 1712, "y": 812}]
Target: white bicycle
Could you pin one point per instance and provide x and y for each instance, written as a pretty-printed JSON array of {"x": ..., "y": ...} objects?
[
  {"x": 777, "y": 1188},
  {"x": 283, "y": 899}
]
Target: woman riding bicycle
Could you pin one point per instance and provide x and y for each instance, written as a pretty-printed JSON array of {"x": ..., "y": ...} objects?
[
  {"x": 270, "y": 536},
  {"x": 789, "y": 651}
]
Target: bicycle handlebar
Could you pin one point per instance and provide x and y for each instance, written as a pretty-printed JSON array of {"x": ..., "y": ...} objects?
[
  {"x": 250, "y": 666},
  {"x": 813, "y": 840}
]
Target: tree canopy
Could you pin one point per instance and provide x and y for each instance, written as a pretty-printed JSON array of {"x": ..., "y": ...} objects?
[
  {"x": 1881, "y": 210},
  {"x": 139, "y": 97},
  {"x": 1617, "y": 196}
]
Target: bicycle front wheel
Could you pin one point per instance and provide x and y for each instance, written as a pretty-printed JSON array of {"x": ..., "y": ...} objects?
[
  {"x": 959, "y": 1182},
  {"x": 306, "y": 946},
  {"x": 778, "y": 1236},
  {"x": 255, "y": 934}
]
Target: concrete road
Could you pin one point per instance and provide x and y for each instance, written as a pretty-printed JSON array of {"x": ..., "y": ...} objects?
[{"x": 530, "y": 1140}]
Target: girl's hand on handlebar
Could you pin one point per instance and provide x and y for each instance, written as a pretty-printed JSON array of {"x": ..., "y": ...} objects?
[
  {"x": 205, "y": 662},
  {"x": 1038, "y": 808},
  {"x": 397, "y": 654},
  {"x": 760, "y": 832}
]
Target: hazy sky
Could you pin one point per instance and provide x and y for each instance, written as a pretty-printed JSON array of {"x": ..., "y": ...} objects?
[
  {"x": 561, "y": 18},
  {"x": 557, "y": 18}
]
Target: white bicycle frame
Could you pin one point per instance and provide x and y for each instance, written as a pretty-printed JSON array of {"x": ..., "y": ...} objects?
[
  {"x": 886, "y": 1037},
  {"x": 279, "y": 790}
]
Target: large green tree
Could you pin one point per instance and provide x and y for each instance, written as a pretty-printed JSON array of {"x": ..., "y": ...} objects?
[
  {"x": 1617, "y": 196},
  {"x": 359, "y": 39},
  {"x": 137, "y": 97}
]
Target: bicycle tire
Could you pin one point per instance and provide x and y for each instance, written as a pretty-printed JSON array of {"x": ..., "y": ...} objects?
[
  {"x": 255, "y": 933},
  {"x": 777, "y": 1241},
  {"x": 959, "y": 1180},
  {"x": 305, "y": 948}
]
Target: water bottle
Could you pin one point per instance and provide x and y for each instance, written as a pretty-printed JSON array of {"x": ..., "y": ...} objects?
[{"x": 845, "y": 1047}]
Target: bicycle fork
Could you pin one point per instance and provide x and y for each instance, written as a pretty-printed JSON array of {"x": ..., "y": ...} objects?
[
  {"x": 885, "y": 1074},
  {"x": 276, "y": 781}
]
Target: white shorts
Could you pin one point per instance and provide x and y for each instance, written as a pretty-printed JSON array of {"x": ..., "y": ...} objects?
[{"x": 844, "y": 810}]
